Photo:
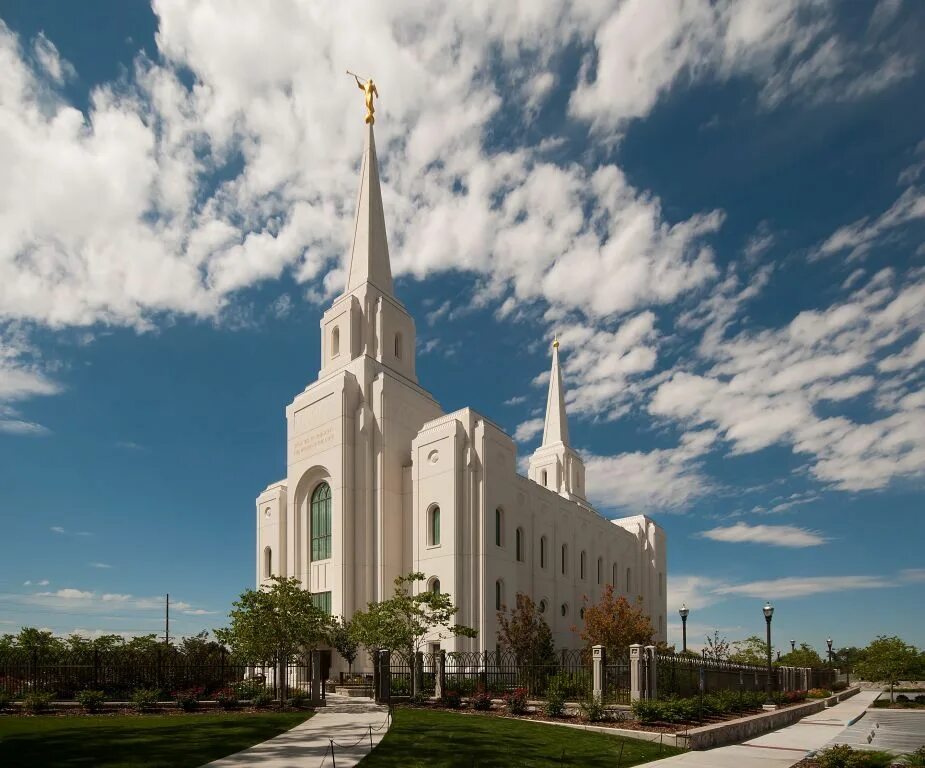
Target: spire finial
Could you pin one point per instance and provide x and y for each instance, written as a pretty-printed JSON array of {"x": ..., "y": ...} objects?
[
  {"x": 555, "y": 342},
  {"x": 369, "y": 89}
]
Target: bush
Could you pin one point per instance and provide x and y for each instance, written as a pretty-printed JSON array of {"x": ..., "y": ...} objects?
[
  {"x": 920, "y": 699},
  {"x": 255, "y": 692},
  {"x": 902, "y": 697},
  {"x": 593, "y": 710},
  {"x": 37, "y": 702},
  {"x": 145, "y": 699},
  {"x": 916, "y": 759},
  {"x": 516, "y": 701},
  {"x": 839, "y": 686},
  {"x": 451, "y": 699},
  {"x": 648, "y": 711},
  {"x": 91, "y": 701},
  {"x": 188, "y": 698},
  {"x": 419, "y": 699},
  {"x": 818, "y": 693},
  {"x": 843, "y": 756},
  {"x": 227, "y": 698},
  {"x": 481, "y": 699},
  {"x": 297, "y": 699},
  {"x": 401, "y": 686},
  {"x": 5, "y": 700}
]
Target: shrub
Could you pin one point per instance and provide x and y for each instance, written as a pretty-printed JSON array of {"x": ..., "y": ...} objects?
[
  {"x": 419, "y": 699},
  {"x": 516, "y": 701},
  {"x": 916, "y": 759},
  {"x": 188, "y": 698},
  {"x": 593, "y": 710},
  {"x": 91, "y": 701},
  {"x": 902, "y": 697},
  {"x": 648, "y": 711},
  {"x": 481, "y": 699},
  {"x": 5, "y": 700},
  {"x": 401, "y": 686},
  {"x": 843, "y": 756},
  {"x": 145, "y": 699},
  {"x": 920, "y": 699},
  {"x": 227, "y": 698},
  {"x": 451, "y": 699},
  {"x": 36, "y": 702},
  {"x": 818, "y": 693},
  {"x": 839, "y": 686},
  {"x": 297, "y": 699}
]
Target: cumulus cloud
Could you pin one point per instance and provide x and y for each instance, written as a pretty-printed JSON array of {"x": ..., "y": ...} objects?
[
  {"x": 775, "y": 535},
  {"x": 795, "y": 586}
]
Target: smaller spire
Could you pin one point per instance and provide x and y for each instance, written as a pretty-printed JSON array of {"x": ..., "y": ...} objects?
[{"x": 555, "y": 428}]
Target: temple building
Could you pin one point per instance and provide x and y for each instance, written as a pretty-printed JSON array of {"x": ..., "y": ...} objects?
[{"x": 380, "y": 481}]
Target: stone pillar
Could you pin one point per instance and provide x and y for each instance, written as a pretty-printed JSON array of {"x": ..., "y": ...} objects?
[
  {"x": 598, "y": 660},
  {"x": 384, "y": 694},
  {"x": 651, "y": 674},
  {"x": 316, "y": 676},
  {"x": 440, "y": 676},
  {"x": 636, "y": 673},
  {"x": 417, "y": 686}
]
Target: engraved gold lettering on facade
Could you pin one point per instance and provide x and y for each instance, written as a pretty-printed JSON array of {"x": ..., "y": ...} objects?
[{"x": 312, "y": 442}]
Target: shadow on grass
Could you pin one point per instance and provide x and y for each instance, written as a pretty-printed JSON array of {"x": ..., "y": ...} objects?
[
  {"x": 152, "y": 741},
  {"x": 457, "y": 740}
]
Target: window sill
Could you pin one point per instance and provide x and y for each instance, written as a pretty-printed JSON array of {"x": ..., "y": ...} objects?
[{"x": 433, "y": 546}]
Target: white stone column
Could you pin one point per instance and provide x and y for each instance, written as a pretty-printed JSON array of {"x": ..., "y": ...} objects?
[
  {"x": 636, "y": 673},
  {"x": 418, "y": 674},
  {"x": 440, "y": 677},
  {"x": 598, "y": 660}
]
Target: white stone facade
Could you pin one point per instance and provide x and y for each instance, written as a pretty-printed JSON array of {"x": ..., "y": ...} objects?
[{"x": 390, "y": 457}]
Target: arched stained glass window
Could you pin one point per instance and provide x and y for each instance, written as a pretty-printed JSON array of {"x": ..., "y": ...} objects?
[
  {"x": 267, "y": 563},
  {"x": 499, "y": 527},
  {"x": 321, "y": 522},
  {"x": 433, "y": 532},
  {"x": 335, "y": 342},
  {"x": 499, "y": 595},
  {"x": 582, "y": 562},
  {"x": 542, "y": 551},
  {"x": 520, "y": 544}
]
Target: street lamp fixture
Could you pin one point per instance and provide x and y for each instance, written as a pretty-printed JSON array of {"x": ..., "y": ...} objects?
[
  {"x": 768, "y": 613},
  {"x": 683, "y": 611},
  {"x": 828, "y": 642},
  {"x": 793, "y": 645}
]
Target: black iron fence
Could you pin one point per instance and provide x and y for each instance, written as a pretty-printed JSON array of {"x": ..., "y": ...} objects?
[
  {"x": 682, "y": 675},
  {"x": 120, "y": 674}
]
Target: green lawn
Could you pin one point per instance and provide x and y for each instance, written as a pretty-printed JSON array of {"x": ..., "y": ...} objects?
[
  {"x": 420, "y": 737},
  {"x": 152, "y": 741}
]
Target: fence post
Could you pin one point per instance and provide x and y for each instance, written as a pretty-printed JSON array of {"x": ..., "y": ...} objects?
[
  {"x": 417, "y": 685},
  {"x": 598, "y": 660},
  {"x": 485, "y": 670},
  {"x": 636, "y": 689},
  {"x": 652, "y": 672},
  {"x": 384, "y": 694},
  {"x": 440, "y": 677},
  {"x": 316, "y": 676}
]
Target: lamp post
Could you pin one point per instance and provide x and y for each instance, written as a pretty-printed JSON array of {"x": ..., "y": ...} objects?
[
  {"x": 768, "y": 613},
  {"x": 793, "y": 646},
  {"x": 683, "y": 611},
  {"x": 828, "y": 642}
]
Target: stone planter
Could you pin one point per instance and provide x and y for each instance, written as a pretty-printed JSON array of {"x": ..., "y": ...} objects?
[{"x": 356, "y": 690}]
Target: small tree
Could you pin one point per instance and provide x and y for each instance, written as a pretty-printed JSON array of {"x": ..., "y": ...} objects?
[
  {"x": 526, "y": 634},
  {"x": 889, "y": 659},
  {"x": 403, "y": 621},
  {"x": 275, "y": 622},
  {"x": 344, "y": 641},
  {"x": 615, "y": 624},
  {"x": 804, "y": 656},
  {"x": 751, "y": 650},
  {"x": 717, "y": 648}
]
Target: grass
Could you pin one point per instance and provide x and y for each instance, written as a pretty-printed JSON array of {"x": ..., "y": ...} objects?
[
  {"x": 420, "y": 737},
  {"x": 148, "y": 741}
]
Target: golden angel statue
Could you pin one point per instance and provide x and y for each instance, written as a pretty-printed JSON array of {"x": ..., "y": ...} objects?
[{"x": 369, "y": 88}]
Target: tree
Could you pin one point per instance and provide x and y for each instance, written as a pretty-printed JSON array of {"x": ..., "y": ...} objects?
[
  {"x": 717, "y": 648},
  {"x": 526, "y": 634},
  {"x": 344, "y": 641},
  {"x": 615, "y": 624},
  {"x": 751, "y": 650},
  {"x": 402, "y": 622},
  {"x": 38, "y": 640},
  {"x": 889, "y": 659},
  {"x": 276, "y": 622},
  {"x": 804, "y": 656}
]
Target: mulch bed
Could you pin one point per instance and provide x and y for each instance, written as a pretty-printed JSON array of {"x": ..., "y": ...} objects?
[{"x": 131, "y": 712}]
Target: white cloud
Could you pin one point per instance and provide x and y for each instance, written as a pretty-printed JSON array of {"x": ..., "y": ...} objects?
[
  {"x": 68, "y": 594},
  {"x": 695, "y": 592},
  {"x": 100, "y": 565},
  {"x": 776, "y": 535},
  {"x": 795, "y": 586},
  {"x": 57, "y": 529},
  {"x": 858, "y": 238},
  {"x": 516, "y": 400},
  {"x": 528, "y": 429}
]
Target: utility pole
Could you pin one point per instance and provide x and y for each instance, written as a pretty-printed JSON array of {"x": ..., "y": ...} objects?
[{"x": 167, "y": 621}]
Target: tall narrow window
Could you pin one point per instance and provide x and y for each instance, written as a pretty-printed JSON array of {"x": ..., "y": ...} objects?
[
  {"x": 564, "y": 559},
  {"x": 335, "y": 342},
  {"x": 600, "y": 569},
  {"x": 613, "y": 576},
  {"x": 629, "y": 581},
  {"x": 267, "y": 563},
  {"x": 321, "y": 522},
  {"x": 433, "y": 528},
  {"x": 499, "y": 594},
  {"x": 545, "y": 479},
  {"x": 520, "y": 544},
  {"x": 398, "y": 345},
  {"x": 499, "y": 527},
  {"x": 435, "y": 585},
  {"x": 581, "y": 564},
  {"x": 661, "y": 583},
  {"x": 542, "y": 551}
]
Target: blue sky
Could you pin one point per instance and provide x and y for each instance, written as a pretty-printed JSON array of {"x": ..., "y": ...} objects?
[{"x": 719, "y": 207}]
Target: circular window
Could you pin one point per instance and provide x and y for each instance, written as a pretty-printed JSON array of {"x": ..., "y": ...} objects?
[
  {"x": 564, "y": 609},
  {"x": 266, "y": 512},
  {"x": 543, "y": 606}
]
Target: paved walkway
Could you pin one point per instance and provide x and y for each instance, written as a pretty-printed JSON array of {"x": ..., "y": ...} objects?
[
  {"x": 348, "y": 721},
  {"x": 782, "y": 748},
  {"x": 895, "y": 730}
]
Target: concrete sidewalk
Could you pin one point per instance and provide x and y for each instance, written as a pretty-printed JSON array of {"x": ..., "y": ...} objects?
[
  {"x": 782, "y": 748},
  {"x": 348, "y": 721}
]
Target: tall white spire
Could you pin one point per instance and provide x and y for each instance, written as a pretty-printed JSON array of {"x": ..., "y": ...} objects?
[
  {"x": 555, "y": 429},
  {"x": 369, "y": 256}
]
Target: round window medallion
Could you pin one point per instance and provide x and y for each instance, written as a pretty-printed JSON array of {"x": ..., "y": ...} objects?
[
  {"x": 433, "y": 457},
  {"x": 266, "y": 512}
]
